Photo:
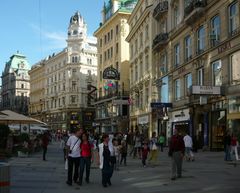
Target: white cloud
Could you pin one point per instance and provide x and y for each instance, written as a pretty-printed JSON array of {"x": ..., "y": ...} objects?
[{"x": 51, "y": 40}]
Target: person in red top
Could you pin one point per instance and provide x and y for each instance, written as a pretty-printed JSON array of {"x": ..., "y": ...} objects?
[
  {"x": 176, "y": 151},
  {"x": 234, "y": 145},
  {"x": 86, "y": 157},
  {"x": 45, "y": 142},
  {"x": 145, "y": 152}
]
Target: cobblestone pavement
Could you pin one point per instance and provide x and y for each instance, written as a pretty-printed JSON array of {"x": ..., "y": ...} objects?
[{"x": 208, "y": 174}]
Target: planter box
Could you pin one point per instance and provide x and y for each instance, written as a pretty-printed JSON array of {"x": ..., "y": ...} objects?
[{"x": 22, "y": 154}]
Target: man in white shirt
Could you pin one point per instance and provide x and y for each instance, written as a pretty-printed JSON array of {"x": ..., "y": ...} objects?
[
  {"x": 188, "y": 147},
  {"x": 73, "y": 156}
]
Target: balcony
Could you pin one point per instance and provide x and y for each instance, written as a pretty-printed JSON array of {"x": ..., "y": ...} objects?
[
  {"x": 161, "y": 8},
  {"x": 122, "y": 94},
  {"x": 160, "y": 40},
  {"x": 194, "y": 10}
]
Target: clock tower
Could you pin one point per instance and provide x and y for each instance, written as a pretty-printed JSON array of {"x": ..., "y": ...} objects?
[{"x": 77, "y": 33}]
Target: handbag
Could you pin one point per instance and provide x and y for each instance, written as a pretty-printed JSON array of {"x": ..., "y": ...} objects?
[{"x": 154, "y": 147}]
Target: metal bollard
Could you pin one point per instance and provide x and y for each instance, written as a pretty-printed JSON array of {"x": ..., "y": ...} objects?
[{"x": 4, "y": 177}]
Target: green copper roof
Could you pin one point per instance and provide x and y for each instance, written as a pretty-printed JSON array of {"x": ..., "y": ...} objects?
[{"x": 17, "y": 62}]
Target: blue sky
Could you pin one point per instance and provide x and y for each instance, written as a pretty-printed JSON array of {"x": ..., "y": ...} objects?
[{"x": 22, "y": 22}]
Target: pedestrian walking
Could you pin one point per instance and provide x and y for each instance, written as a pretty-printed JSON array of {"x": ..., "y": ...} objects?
[
  {"x": 153, "y": 149},
  {"x": 188, "y": 147},
  {"x": 105, "y": 161},
  {"x": 227, "y": 147},
  {"x": 176, "y": 152},
  {"x": 234, "y": 146},
  {"x": 86, "y": 157},
  {"x": 63, "y": 145},
  {"x": 137, "y": 145},
  {"x": 45, "y": 142},
  {"x": 73, "y": 156},
  {"x": 145, "y": 152},
  {"x": 161, "y": 141},
  {"x": 123, "y": 151},
  {"x": 116, "y": 150}
]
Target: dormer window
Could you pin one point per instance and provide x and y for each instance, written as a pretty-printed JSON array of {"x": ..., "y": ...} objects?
[{"x": 75, "y": 32}]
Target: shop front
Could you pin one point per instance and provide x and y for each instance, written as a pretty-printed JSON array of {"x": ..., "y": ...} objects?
[
  {"x": 143, "y": 125},
  {"x": 233, "y": 115},
  {"x": 218, "y": 125},
  {"x": 180, "y": 120}
]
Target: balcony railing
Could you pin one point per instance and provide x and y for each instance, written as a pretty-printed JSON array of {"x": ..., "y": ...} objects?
[
  {"x": 194, "y": 10},
  {"x": 113, "y": 94},
  {"x": 160, "y": 40},
  {"x": 162, "y": 7}
]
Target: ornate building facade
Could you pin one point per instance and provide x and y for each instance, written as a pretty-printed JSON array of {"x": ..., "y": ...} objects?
[
  {"x": 142, "y": 70},
  {"x": 112, "y": 108},
  {"x": 67, "y": 74},
  {"x": 196, "y": 49},
  {"x": 15, "y": 84}
]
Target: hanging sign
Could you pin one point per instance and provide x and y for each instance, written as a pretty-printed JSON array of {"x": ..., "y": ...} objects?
[{"x": 111, "y": 74}]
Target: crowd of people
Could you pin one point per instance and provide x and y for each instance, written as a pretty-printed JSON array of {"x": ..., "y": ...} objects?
[{"x": 113, "y": 149}]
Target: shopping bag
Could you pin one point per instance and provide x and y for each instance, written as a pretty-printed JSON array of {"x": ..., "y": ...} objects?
[{"x": 66, "y": 164}]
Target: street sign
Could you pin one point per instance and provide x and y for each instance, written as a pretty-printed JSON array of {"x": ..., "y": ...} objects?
[{"x": 160, "y": 105}]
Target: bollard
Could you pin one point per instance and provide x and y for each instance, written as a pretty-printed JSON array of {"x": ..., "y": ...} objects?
[{"x": 4, "y": 178}]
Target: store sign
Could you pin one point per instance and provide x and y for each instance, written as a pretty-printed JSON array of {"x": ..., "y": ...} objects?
[
  {"x": 111, "y": 74},
  {"x": 224, "y": 47},
  {"x": 143, "y": 120},
  {"x": 206, "y": 90},
  {"x": 161, "y": 105}
]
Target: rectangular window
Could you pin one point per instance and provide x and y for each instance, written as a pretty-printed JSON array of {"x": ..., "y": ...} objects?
[
  {"x": 235, "y": 68},
  {"x": 188, "y": 83},
  {"x": 116, "y": 48},
  {"x": 111, "y": 52},
  {"x": 73, "y": 99},
  {"x": 111, "y": 34},
  {"x": 146, "y": 32},
  {"x": 200, "y": 77},
  {"x": 136, "y": 46},
  {"x": 140, "y": 68},
  {"x": 200, "y": 40},
  {"x": 188, "y": 48},
  {"x": 74, "y": 85},
  {"x": 177, "y": 89},
  {"x": 131, "y": 51},
  {"x": 105, "y": 39},
  {"x": 100, "y": 59},
  {"x": 101, "y": 42},
  {"x": 105, "y": 56},
  {"x": 117, "y": 29},
  {"x": 163, "y": 66},
  {"x": 217, "y": 73},
  {"x": 215, "y": 31},
  {"x": 141, "y": 39},
  {"x": 233, "y": 18},
  {"x": 177, "y": 55},
  {"x": 146, "y": 96},
  {"x": 176, "y": 15},
  {"x": 108, "y": 36},
  {"x": 146, "y": 63},
  {"x": 136, "y": 72}
]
